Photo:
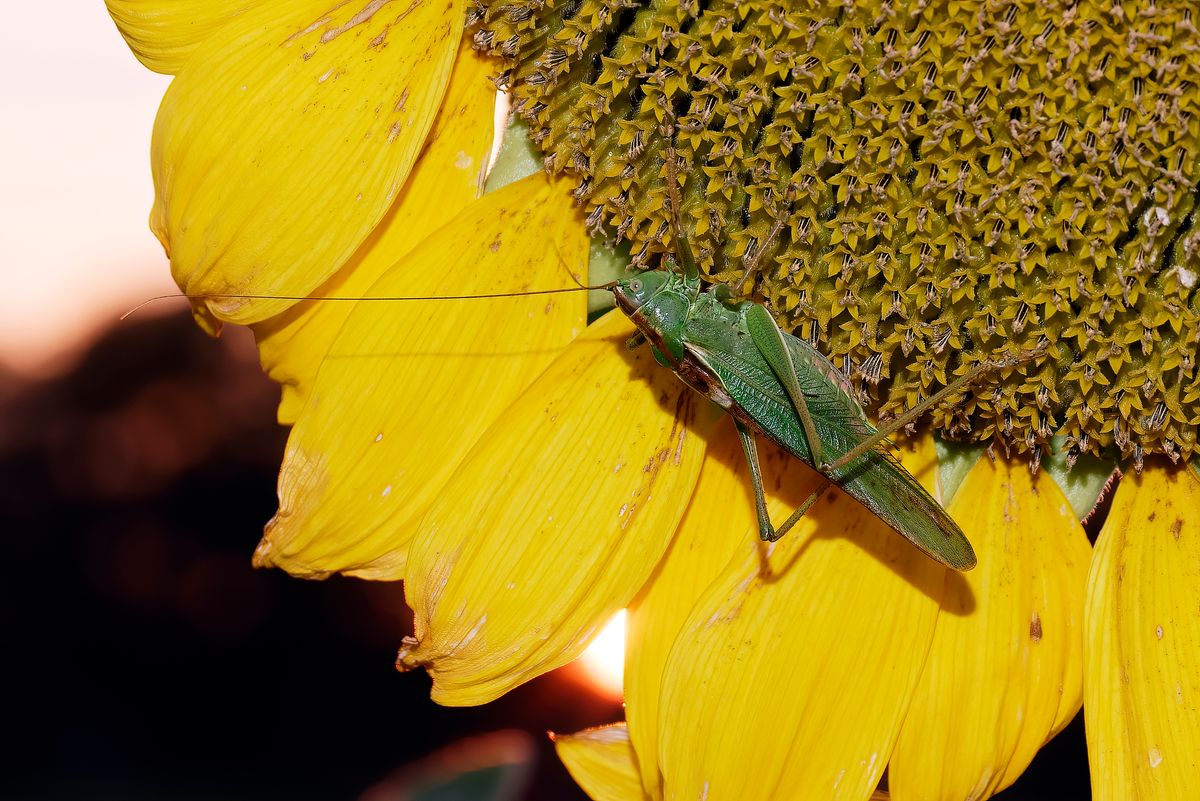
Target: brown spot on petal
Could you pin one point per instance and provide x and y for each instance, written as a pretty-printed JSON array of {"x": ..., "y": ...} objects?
[
  {"x": 1176, "y": 528},
  {"x": 402, "y": 101},
  {"x": 365, "y": 14},
  {"x": 1035, "y": 628}
]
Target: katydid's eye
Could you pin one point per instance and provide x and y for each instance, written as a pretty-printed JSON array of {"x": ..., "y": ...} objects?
[{"x": 635, "y": 285}]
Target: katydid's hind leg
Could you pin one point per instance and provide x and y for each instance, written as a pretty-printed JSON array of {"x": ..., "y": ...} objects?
[
  {"x": 801, "y": 510},
  {"x": 768, "y": 339},
  {"x": 765, "y": 530},
  {"x": 897, "y": 423}
]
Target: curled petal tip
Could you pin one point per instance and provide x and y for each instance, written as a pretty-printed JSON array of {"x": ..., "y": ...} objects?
[
  {"x": 409, "y": 657},
  {"x": 262, "y": 554}
]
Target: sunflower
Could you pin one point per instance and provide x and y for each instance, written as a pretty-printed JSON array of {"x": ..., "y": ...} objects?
[{"x": 920, "y": 187}]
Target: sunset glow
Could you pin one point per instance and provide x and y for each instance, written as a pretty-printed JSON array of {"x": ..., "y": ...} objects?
[
  {"x": 76, "y": 250},
  {"x": 604, "y": 661}
]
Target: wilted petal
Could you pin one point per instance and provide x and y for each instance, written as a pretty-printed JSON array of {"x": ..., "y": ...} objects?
[
  {"x": 446, "y": 177},
  {"x": 719, "y": 523},
  {"x": 792, "y": 675},
  {"x": 1005, "y": 670},
  {"x": 163, "y": 33},
  {"x": 1143, "y": 642},
  {"x": 409, "y": 386},
  {"x": 555, "y": 521},
  {"x": 602, "y": 762},
  {"x": 286, "y": 137}
]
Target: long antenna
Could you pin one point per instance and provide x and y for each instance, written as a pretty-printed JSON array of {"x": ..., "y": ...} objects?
[
  {"x": 361, "y": 298},
  {"x": 752, "y": 266},
  {"x": 682, "y": 251}
]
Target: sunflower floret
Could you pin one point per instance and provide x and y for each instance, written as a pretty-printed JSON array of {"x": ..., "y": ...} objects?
[{"x": 922, "y": 187}]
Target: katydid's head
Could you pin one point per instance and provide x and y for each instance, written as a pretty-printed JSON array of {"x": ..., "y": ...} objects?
[{"x": 632, "y": 293}]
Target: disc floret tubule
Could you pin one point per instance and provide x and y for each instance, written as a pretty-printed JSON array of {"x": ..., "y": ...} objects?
[{"x": 923, "y": 186}]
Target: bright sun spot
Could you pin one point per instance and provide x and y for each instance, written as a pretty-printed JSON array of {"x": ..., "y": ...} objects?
[{"x": 604, "y": 661}]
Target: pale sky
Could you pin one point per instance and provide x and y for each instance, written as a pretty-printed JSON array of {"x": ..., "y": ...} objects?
[{"x": 76, "y": 111}]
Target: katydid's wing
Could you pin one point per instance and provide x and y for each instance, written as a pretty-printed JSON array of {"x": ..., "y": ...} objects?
[
  {"x": 771, "y": 343},
  {"x": 884, "y": 486},
  {"x": 876, "y": 479}
]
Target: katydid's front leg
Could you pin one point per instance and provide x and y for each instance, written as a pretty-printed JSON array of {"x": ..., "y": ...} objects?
[
  {"x": 766, "y": 336},
  {"x": 766, "y": 531}
]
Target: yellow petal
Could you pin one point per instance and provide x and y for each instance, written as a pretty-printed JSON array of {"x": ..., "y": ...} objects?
[
  {"x": 555, "y": 521},
  {"x": 601, "y": 761},
  {"x": 1143, "y": 641},
  {"x": 163, "y": 33},
  {"x": 287, "y": 136},
  {"x": 446, "y": 177},
  {"x": 1005, "y": 671},
  {"x": 408, "y": 387},
  {"x": 718, "y": 524},
  {"x": 793, "y": 672}
]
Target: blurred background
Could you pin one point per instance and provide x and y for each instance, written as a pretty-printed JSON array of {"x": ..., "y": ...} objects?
[{"x": 147, "y": 659}]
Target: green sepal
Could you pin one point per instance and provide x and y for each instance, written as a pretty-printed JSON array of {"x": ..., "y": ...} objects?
[
  {"x": 605, "y": 263},
  {"x": 1195, "y": 465},
  {"x": 1083, "y": 483},
  {"x": 518, "y": 157},
  {"x": 955, "y": 460}
]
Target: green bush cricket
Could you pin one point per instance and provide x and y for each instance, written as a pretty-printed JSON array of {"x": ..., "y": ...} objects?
[{"x": 776, "y": 385}]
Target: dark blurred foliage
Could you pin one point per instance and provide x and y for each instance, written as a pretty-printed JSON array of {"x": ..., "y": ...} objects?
[{"x": 148, "y": 660}]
